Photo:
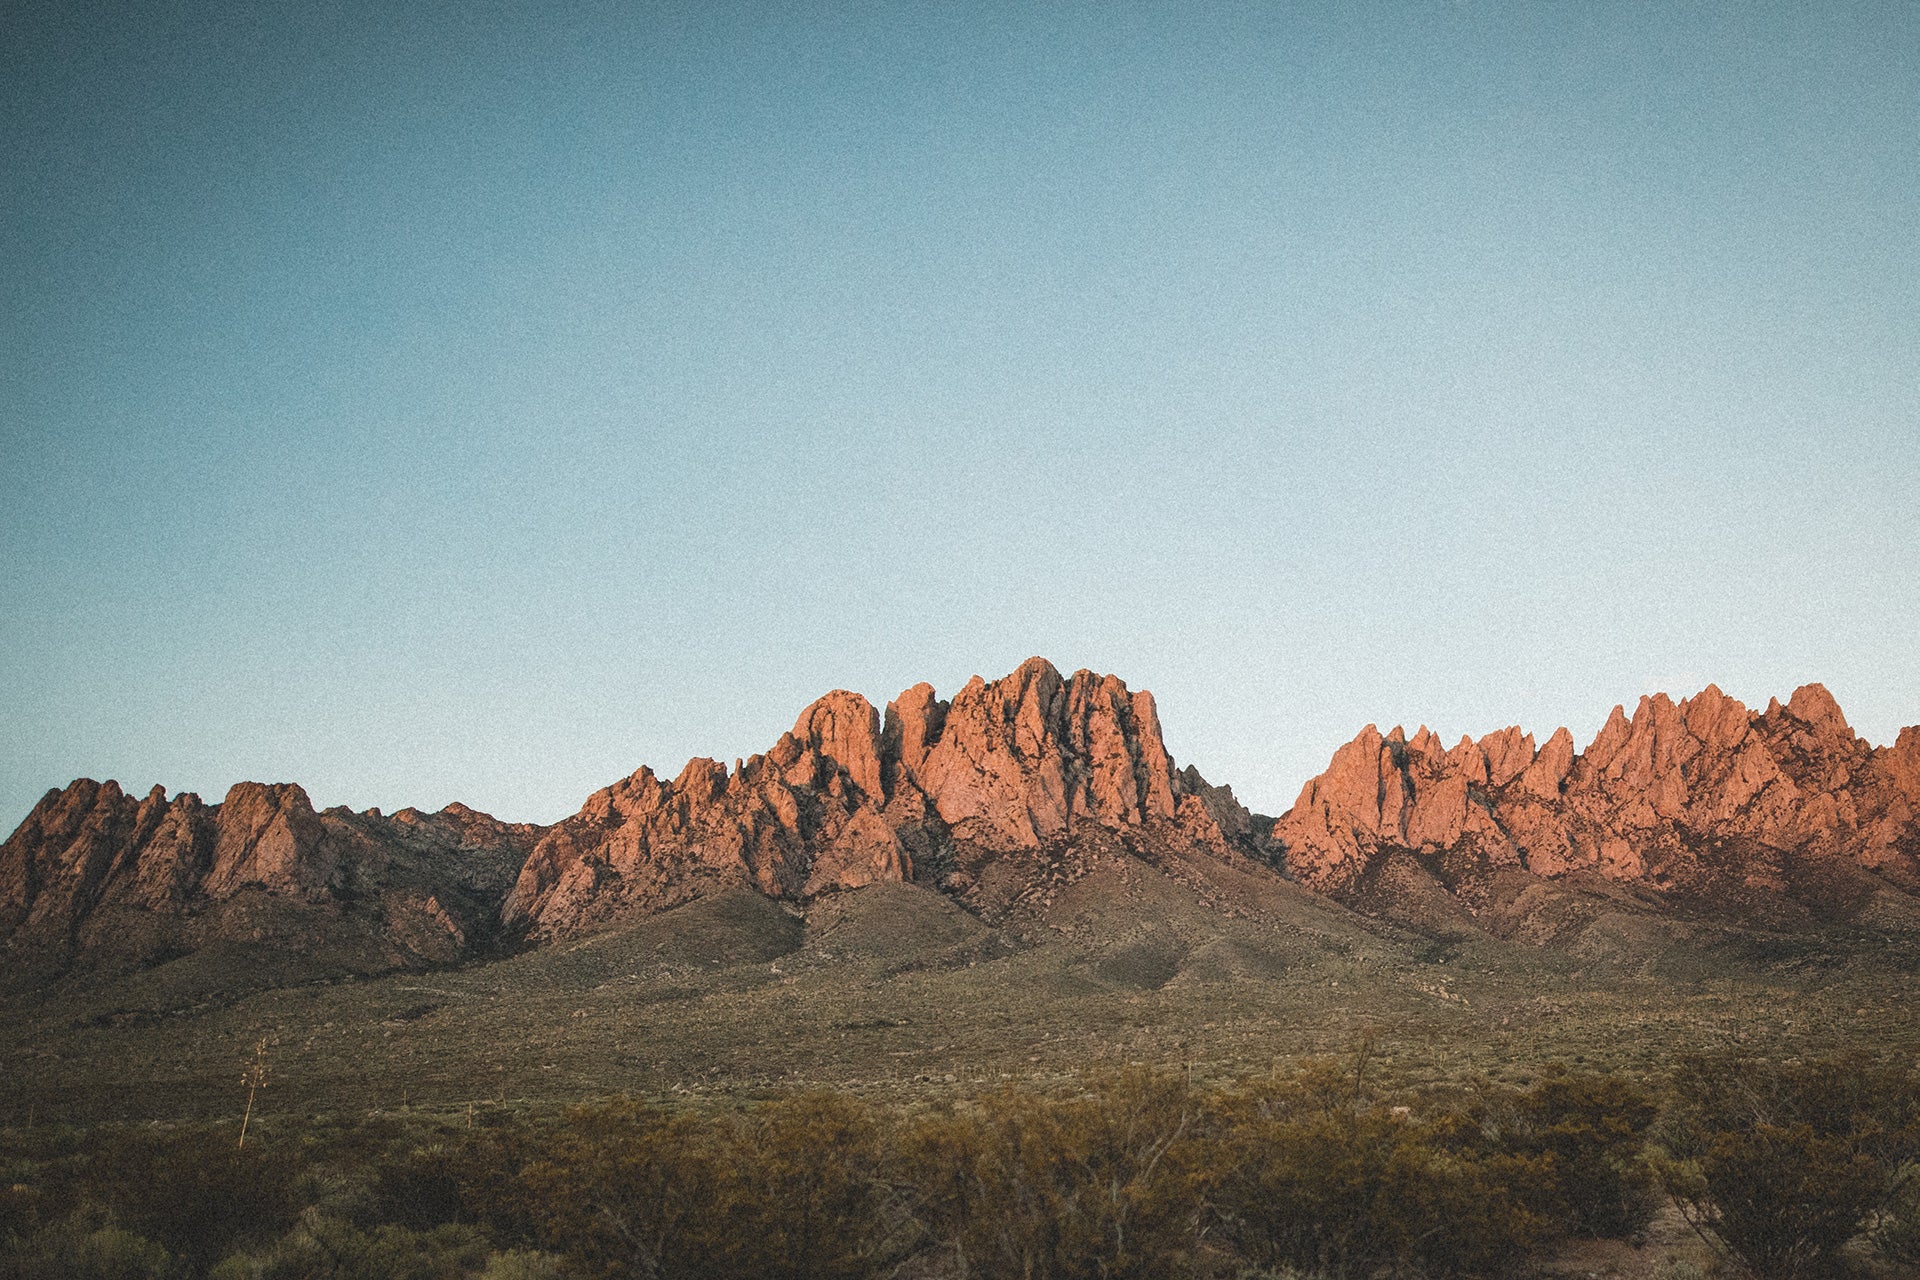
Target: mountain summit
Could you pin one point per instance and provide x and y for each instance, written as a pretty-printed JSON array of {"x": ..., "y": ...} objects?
[
  {"x": 95, "y": 875},
  {"x": 1013, "y": 785},
  {"x": 980, "y": 796},
  {"x": 997, "y": 800},
  {"x": 1702, "y": 799}
]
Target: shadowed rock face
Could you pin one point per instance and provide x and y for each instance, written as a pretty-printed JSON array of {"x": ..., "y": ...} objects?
[
  {"x": 1656, "y": 798},
  {"x": 92, "y": 871},
  {"x": 1013, "y": 767}
]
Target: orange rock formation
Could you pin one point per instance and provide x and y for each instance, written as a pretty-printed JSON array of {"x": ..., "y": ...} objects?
[
  {"x": 1648, "y": 799},
  {"x": 1013, "y": 766}
]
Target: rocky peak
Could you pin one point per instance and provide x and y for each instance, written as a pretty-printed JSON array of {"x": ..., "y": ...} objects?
[
  {"x": 1507, "y": 753},
  {"x": 1350, "y": 788},
  {"x": 913, "y": 724},
  {"x": 1549, "y": 767},
  {"x": 1011, "y": 765},
  {"x": 1900, "y": 764},
  {"x": 1638, "y": 801},
  {"x": 52, "y": 866},
  {"x": 1017, "y": 762},
  {"x": 845, "y": 729},
  {"x": 1813, "y": 705},
  {"x": 270, "y": 836},
  {"x": 92, "y": 870}
]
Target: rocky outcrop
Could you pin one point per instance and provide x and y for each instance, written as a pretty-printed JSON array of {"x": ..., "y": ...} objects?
[
  {"x": 1674, "y": 795},
  {"x": 1028, "y": 765},
  {"x": 789, "y": 823},
  {"x": 94, "y": 872},
  {"x": 983, "y": 795},
  {"x": 998, "y": 797}
]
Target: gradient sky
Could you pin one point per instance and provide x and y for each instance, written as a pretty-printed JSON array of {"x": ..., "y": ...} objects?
[{"x": 479, "y": 401}]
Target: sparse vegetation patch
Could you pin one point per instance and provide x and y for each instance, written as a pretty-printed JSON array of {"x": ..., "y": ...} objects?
[{"x": 1335, "y": 1171}]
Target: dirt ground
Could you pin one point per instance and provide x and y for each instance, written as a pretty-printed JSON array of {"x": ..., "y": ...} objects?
[{"x": 1671, "y": 1250}]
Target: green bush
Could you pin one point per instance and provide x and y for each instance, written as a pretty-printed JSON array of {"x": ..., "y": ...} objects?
[
  {"x": 1316, "y": 1175},
  {"x": 1581, "y": 1137},
  {"x": 1897, "y": 1235},
  {"x": 192, "y": 1192},
  {"x": 789, "y": 1191},
  {"x": 1106, "y": 1184},
  {"x": 80, "y": 1249},
  {"x": 1783, "y": 1164},
  {"x": 419, "y": 1188},
  {"x": 320, "y": 1247}
]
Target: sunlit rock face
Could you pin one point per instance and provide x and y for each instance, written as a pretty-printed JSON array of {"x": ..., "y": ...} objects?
[
  {"x": 980, "y": 796},
  {"x": 93, "y": 871},
  {"x": 1671, "y": 795},
  {"x": 995, "y": 797},
  {"x": 1009, "y": 773}
]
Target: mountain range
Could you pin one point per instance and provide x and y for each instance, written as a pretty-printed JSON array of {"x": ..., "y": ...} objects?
[{"x": 1700, "y": 813}]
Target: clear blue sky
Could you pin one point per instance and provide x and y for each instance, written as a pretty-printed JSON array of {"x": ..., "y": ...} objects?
[{"x": 481, "y": 401}]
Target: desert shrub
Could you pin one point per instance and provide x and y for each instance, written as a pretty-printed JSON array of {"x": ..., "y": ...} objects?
[
  {"x": 1316, "y": 1176},
  {"x": 113, "y": 1254},
  {"x": 44, "y": 1185},
  {"x": 1580, "y": 1136},
  {"x": 792, "y": 1189},
  {"x": 1897, "y": 1234},
  {"x": 86, "y": 1248},
  {"x": 1782, "y": 1199},
  {"x": 1680, "y": 1269},
  {"x": 417, "y": 1187},
  {"x": 191, "y": 1192},
  {"x": 817, "y": 1203},
  {"x": 630, "y": 1190},
  {"x": 1101, "y": 1185},
  {"x": 322, "y": 1247},
  {"x": 486, "y": 1164},
  {"x": 23, "y": 1208},
  {"x": 524, "y": 1264},
  {"x": 1592, "y": 1130},
  {"x": 1348, "y": 1196},
  {"x": 1783, "y": 1164}
]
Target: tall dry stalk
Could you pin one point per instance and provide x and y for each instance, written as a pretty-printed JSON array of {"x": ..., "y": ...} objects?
[{"x": 255, "y": 1078}]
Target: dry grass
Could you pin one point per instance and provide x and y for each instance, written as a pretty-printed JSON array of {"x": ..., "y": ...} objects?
[{"x": 893, "y": 992}]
